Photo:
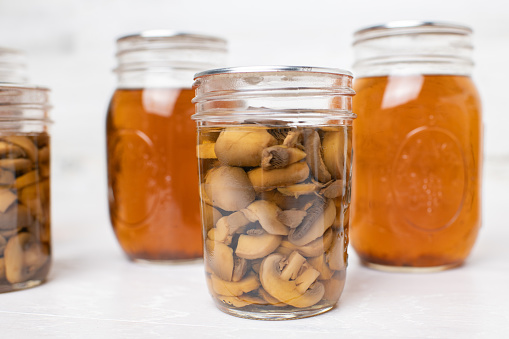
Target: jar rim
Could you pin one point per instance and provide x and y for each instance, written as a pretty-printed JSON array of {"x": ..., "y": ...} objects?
[
  {"x": 273, "y": 69},
  {"x": 169, "y": 34},
  {"x": 409, "y": 27}
]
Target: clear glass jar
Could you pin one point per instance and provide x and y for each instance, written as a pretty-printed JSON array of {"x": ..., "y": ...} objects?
[
  {"x": 13, "y": 67},
  {"x": 25, "y": 236},
  {"x": 418, "y": 141},
  {"x": 274, "y": 151},
  {"x": 152, "y": 175}
]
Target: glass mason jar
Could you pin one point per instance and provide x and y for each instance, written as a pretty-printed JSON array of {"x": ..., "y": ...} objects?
[
  {"x": 13, "y": 67},
  {"x": 418, "y": 141},
  {"x": 274, "y": 151},
  {"x": 25, "y": 237},
  {"x": 152, "y": 174}
]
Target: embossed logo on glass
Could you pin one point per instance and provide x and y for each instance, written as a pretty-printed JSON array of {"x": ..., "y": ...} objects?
[
  {"x": 133, "y": 168},
  {"x": 429, "y": 178}
]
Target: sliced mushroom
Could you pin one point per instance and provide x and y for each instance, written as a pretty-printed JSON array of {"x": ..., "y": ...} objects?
[
  {"x": 319, "y": 218},
  {"x": 229, "y": 188},
  {"x": 269, "y": 299},
  {"x": 336, "y": 257},
  {"x": 8, "y": 150},
  {"x": 263, "y": 180},
  {"x": 314, "y": 159},
  {"x": 219, "y": 258},
  {"x": 234, "y": 289},
  {"x": 291, "y": 218},
  {"x": 334, "y": 286},
  {"x": 257, "y": 246},
  {"x": 23, "y": 257},
  {"x": 2, "y": 269},
  {"x": 7, "y": 198},
  {"x": 266, "y": 213},
  {"x": 26, "y": 179},
  {"x": 319, "y": 263},
  {"x": 16, "y": 165},
  {"x": 234, "y": 301},
  {"x": 288, "y": 291},
  {"x": 7, "y": 178},
  {"x": 3, "y": 243},
  {"x": 333, "y": 190},
  {"x": 227, "y": 226},
  {"x": 239, "y": 268},
  {"x": 314, "y": 248},
  {"x": 298, "y": 190},
  {"x": 243, "y": 147},
  {"x": 25, "y": 143},
  {"x": 44, "y": 154},
  {"x": 293, "y": 138},
  {"x": 210, "y": 216},
  {"x": 335, "y": 146},
  {"x": 206, "y": 151},
  {"x": 280, "y": 156}
]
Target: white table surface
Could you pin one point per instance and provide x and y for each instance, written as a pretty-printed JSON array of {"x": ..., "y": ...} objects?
[{"x": 94, "y": 292}]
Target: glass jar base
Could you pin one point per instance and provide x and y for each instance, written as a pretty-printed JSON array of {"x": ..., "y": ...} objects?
[
  {"x": 167, "y": 262},
  {"x": 274, "y": 314},
  {"x": 21, "y": 286},
  {"x": 410, "y": 269}
]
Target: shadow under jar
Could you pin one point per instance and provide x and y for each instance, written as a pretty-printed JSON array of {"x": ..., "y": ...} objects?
[
  {"x": 418, "y": 141},
  {"x": 152, "y": 174},
  {"x": 274, "y": 151},
  {"x": 25, "y": 238}
]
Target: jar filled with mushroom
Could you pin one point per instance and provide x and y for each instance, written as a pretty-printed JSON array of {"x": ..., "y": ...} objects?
[
  {"x": 25, "y": 244},
  {"x": 274, "y": 152}
]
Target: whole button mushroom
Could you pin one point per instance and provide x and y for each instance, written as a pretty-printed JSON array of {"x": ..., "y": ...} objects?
[
  {"x": 23, "y": 257},
  {"x": 229, "y": 188}
]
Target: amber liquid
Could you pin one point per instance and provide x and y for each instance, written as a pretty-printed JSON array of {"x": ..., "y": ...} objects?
[
  {"x": 416, "y": 190},
  {"x": 153, "y": 175}
]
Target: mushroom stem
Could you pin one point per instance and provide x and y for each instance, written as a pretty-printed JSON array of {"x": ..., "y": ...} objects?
[
  {"x": 295, "y": 262},
  {"x": 314, "y": 159},
  {"x": 306, "y": 279}
]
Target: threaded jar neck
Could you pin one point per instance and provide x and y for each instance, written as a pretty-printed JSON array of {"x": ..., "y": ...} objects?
[
  {"x": 412, "y": 47},
  {"x": 291, "y": 93},
  {"x": 13, "y": 66},
  {"x": 162, "y": 58}
]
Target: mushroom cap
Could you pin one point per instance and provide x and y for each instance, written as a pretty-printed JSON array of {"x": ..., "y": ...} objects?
[
  {"x": 219, "y": 258},
  {"x": 266, "y": 213},
  {"x": 23, "y": 257},
  {"x": 257, "y": 246},
  {"x": 336, "y": 145},
  {"x": 318, "y": 220},
  {"x": 243, "y": 146},
  {"x": 234, "y": 289},
  {"x": 264, "y": 180},
  {"x": 286, "y": 290},
  {"x": 229, "y": 188}
]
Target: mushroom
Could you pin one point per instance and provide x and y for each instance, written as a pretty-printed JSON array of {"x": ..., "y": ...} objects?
[
  {"x": 232, "y": 288},
  {"x": 229, "y": 188},
  {"x": 334, "y": 286},
  {"x": 239, "y": 268},
  {"x": 304, "y": 291},
  {"x": 243, "y": 146},
  {"x": 210, "y": 216},
  {"x": 241, "y": 301},
  {"x": 266, "y": 213},
  {"x": 269, "y": 299},
  {"x": 314, "y": 248},
  {"x": 227, "y": 226},
  {"x": 26, "y": 179},
  {"x": 298, "y": 190},
  {"x": 318, "y": 219},
  {"x": 314, "y": 156},
  {"x": 7, "y": 198},
  {"x": 319, "y": 263},
  {"x": 206, "y": 151},
  {"x": 280, "y": 156},
  {"x": 293, "y": 138},
  {"x": 219, "y": 258},
  {"x": 44, "y": 155},
  {"x": 7, "y": 178},
  {"x": 2, "y": 269},
  {"x": 16, "y": 165},
  {"x": 9, "y": 150},
  {"x": 291, "y": 218},
  {"x": 333, "y": 190},
  {"x": 263, "y": 180},
  {"x": 257, "y": 246},
  {"x": 336, "y": 255},
  {"x": 3, "y": 243},
  {"x": 16, "y": 216},
  {"x": 23, "y": 257},
  {"x": 335, "y": 146},
  {"x": 25, "y": 143}
]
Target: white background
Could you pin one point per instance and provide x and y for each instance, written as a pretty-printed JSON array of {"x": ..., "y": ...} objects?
[{"x": 71, "y": 44}]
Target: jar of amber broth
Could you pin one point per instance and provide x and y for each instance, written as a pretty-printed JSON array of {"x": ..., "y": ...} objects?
[
  {"x": 152, "y": 173},
  {"x": 25, "y": 240},
  {"x": 274, "y": 151},
  {"x": 418, "y": 142}
]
